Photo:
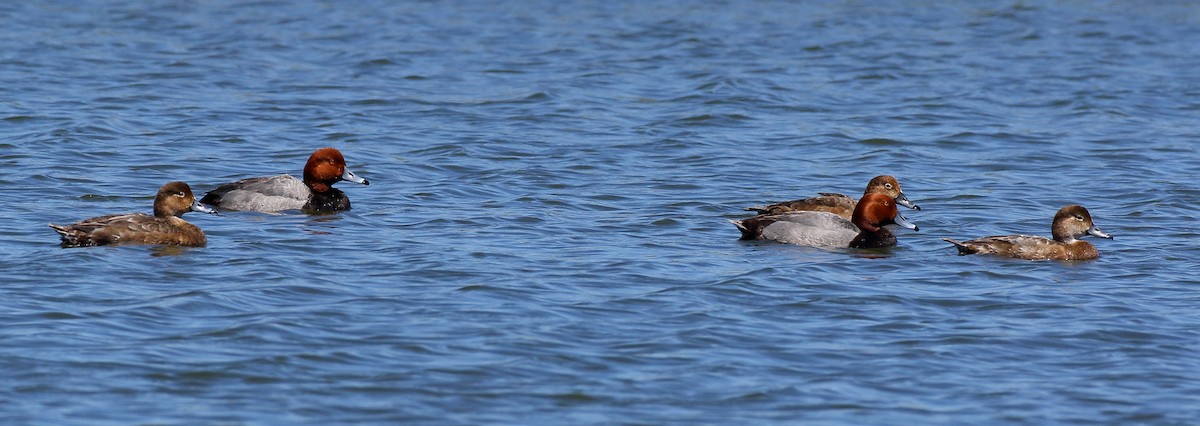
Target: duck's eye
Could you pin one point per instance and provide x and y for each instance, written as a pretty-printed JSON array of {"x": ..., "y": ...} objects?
[
  {"x": 1079, "y": 218},
  {"x": 178, "y": 194},
  {"x": 887, "y": 185}
]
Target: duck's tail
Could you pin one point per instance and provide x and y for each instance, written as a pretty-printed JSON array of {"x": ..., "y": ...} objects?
[
  {"x": 66, "y": 234},
  {"x": 70, "y": 237},
  {"x": 741, "y": 226},
  {"x": 963, "y": 249}
]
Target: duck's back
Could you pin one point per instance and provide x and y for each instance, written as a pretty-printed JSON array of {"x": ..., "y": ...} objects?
[
  {"x": 130, "y": 228},
  {"x": 838, "y": 204},
  {"x": 266, "y": 194},
  {"x": 1028, "y": 247}
]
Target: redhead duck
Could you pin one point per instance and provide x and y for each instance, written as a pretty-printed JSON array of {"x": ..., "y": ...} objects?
[
  {"x": 325, "y": 167},
  {"x": 824, "y": 229},
  {"x": 1070, "y": 222},
  {"x": 841, "y": 205},
  {"x": 165, "y": 227}
]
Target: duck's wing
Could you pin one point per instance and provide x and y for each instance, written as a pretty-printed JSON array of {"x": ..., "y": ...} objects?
[
  {"x": 101, "y": 230},
  {"x": 278, "y": 185},
  {"x": 269, "y": 193},
  {"x": 1021, "y": 246},
  {"x": 818, "y": 229},
  {"x": 839, "y": 204}
]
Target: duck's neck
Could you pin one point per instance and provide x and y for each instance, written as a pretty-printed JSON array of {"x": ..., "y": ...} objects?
[
  {"x": 163, "y": 212},
  {"x": 1064, "y": 238},
  {"x": 317, "y": 186}
]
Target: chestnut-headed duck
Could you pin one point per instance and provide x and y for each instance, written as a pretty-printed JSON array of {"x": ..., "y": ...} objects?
[
  {"x": 841, "y": 205},
  {"x": 316, "y": 193},
  {"x": 824, "y": 229},
  {"x": 165, "y": 227},
  {"x": 1070, "y": 222}
]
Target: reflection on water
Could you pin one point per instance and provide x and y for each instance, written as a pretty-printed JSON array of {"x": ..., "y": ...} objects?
[
  {"x": 160, "y": 251},
  {"x": 318, "y": 224}
]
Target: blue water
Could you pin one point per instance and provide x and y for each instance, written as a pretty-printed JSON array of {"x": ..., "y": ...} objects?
[{"x": 545, "y": 238}]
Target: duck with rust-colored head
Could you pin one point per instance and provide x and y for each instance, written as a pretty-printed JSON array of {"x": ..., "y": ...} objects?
[
  {"x": 825, "y": 229},
  {"x": 1070, "y": 223},
  {"x": 315, "y": 193},
  {"x": 841, "y": 205},
  {"x": 165, "y": 227}
]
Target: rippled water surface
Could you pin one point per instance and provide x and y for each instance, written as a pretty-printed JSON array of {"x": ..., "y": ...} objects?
[{"x": 545, "y": 239}]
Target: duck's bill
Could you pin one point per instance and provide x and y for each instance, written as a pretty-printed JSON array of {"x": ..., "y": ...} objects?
[
  {"x": 903, "y": 221},
  {"x": 197, "y": 207},
  {"x": 1096, "y": 232},
  {"x": 904, "y": 201},
  {"x": 348, "y": 175}
]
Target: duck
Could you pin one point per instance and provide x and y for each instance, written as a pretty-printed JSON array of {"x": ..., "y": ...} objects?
[
  {"x": 841, "y": 205},
  {"x": 165, "y": 227},
  {"x": 829, "y": 230},
  {"x": 314, "y": 193},
  {"x": 1070, "y": 223}
]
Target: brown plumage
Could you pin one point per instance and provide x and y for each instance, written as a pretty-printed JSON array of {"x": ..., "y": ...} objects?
[
  {"x": 164, "y": 227},
  {"x": 1070, "y": 223}
]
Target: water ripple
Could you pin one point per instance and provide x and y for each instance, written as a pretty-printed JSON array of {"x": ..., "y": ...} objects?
[{"x": 545, "y": 236}]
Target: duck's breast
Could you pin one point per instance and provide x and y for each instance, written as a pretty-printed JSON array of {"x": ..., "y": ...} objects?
[{"x": 333, "y": 200}]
